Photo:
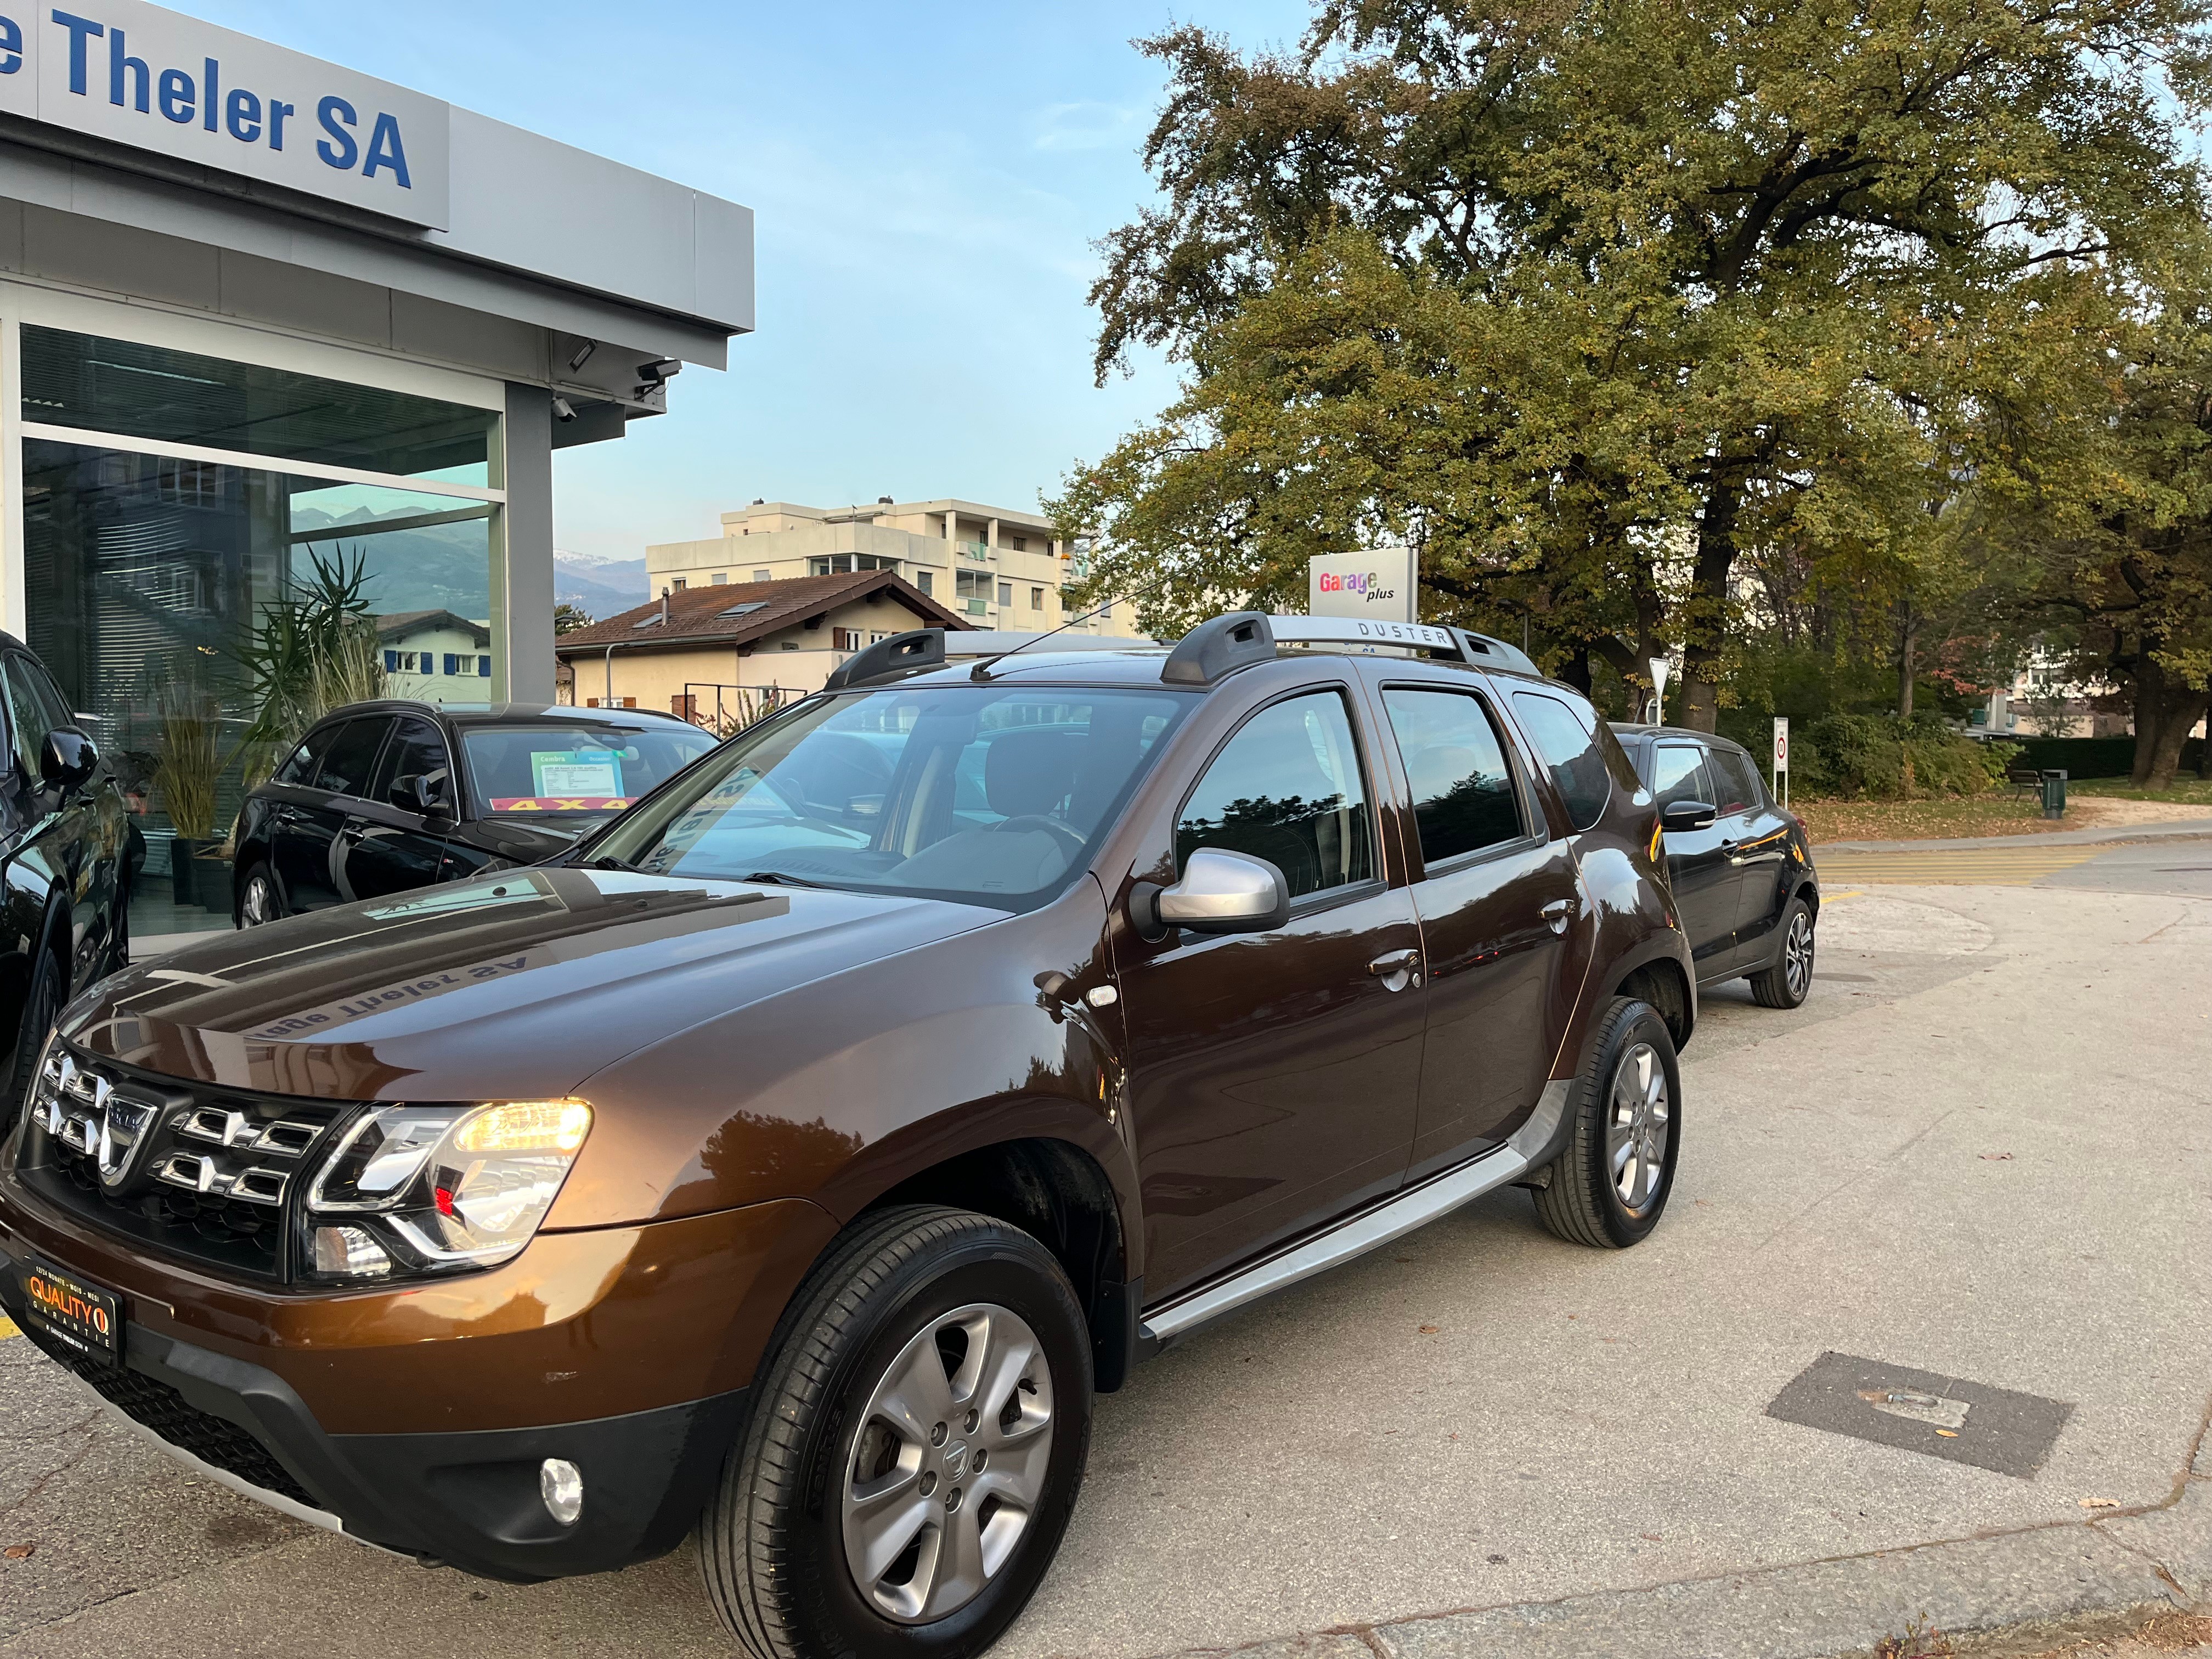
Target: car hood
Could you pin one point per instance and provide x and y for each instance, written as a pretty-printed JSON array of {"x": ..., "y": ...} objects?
[{"x": 516, "y": 986}]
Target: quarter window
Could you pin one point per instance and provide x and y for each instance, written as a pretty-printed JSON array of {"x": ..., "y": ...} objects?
[
  {"x": 1287, "y": 789},
  {"x": 1463, "y": 793},
  {"x": 1568, "y": 743}
]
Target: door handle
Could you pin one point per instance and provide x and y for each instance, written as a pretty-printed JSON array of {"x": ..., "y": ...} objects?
[
  {"x": 1557, "y": 913},
  {"x": 1397, "y": 969}
]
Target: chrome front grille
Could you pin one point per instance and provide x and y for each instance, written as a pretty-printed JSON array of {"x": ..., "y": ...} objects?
[{"x": 199, "y": 1172}]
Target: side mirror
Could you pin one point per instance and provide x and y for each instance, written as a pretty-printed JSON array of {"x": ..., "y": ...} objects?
[
  {"x": 1220, "y": 892},
  {"x": 423, "y": 793},
  {"x": 1688, "y": 815},
  {"x": 68, "y": 758}
]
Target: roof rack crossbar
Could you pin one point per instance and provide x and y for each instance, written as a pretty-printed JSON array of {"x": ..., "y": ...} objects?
[
  {"x": 1221, "y": 647},
  {"x": 891, "y": 659}
]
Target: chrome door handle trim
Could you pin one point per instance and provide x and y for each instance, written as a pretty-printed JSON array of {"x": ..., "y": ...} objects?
[
  {"x": 1397, "y": 969},
  {"x": 1557, "y": 913}
]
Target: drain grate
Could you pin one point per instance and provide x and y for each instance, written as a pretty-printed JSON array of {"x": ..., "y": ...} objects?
[{"x": 1994, "y": 1429}]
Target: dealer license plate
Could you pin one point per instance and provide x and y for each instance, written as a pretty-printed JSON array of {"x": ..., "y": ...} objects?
[{"x": 78, "y": 1314}]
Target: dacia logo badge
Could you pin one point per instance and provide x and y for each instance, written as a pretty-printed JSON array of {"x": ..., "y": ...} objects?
[{"x": 122, "y": 1129}]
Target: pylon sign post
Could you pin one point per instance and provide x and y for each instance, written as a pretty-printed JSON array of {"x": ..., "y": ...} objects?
[{"x": 1659, "y": 667}]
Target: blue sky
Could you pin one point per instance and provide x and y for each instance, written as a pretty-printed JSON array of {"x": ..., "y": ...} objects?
[{"x": 929, "y": 181}]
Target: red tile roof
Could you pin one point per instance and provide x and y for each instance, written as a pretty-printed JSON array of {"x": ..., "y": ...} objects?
[{"x": 715, "y": 616}]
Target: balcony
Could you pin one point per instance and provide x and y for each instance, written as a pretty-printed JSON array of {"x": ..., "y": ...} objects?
[
  {"x": 976, "y": 551},
  {"x": 976, "y": 607}
]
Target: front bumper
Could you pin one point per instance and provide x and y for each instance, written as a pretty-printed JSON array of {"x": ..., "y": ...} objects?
[
  {"x": 414, "y": 1416},
  {"x": 468, "y": 1499}
]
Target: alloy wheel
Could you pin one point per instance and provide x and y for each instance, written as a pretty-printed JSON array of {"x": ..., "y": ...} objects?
[
  {"x": 258, "y": 902},
  {"x": 1638, "y": 1126},
  {"x": 1797, "y": 954},
  {"x": 949, "y": 1464}
]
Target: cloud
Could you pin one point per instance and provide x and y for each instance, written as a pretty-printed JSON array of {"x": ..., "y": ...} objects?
[{"x": 1086, "y": 125}]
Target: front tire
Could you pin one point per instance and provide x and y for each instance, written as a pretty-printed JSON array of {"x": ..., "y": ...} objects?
[
  {"x": 42, "y": 1006},
  {"x": 1790, "y": 980},
  {"x": 916, "y": 1439},
  {"x": 1608, "y": 1189}
]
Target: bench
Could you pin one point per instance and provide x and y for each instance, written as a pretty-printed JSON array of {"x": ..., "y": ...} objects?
[{"x": 2028, "y": 778}]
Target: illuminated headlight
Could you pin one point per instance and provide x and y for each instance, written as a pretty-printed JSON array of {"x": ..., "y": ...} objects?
[{"x": 413, "y": 1189}]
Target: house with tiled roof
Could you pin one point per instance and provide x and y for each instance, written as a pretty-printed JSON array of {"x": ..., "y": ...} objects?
[{"x": 736, "y": 646}]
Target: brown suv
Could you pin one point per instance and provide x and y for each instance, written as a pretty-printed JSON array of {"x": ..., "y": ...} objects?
[{"x": 796, "y": 1159}]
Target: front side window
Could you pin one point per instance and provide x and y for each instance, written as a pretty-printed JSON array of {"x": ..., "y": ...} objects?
[
  {"x": 1568, "y": 743},
  {"x": 27, "y": 721},
  {"x": 1463, "y": 793},
  {"x": 416, "y": 750},
  {"x": 1287, "y": 789},
  {"x": 570, "y": 772},
  {"x": 1678, "y": 774},
  {"x": 986, "y": 795}
]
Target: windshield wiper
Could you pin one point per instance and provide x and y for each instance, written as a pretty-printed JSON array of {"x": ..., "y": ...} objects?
[
  {"x": 609, "y": 861},
  {"x": 779, "y": 878}
]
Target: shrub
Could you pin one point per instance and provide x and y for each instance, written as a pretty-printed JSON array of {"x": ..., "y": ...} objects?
[{"x": 1880, "y": 756}]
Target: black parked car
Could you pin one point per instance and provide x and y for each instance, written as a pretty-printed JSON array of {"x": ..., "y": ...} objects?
[
  {"x": 1741, "y": 867},
  {"x": 64, "y": 871},
  {"x": 382, "y": 797}
]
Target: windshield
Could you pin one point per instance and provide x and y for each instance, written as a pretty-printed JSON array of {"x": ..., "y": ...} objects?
[
  {"x": 986, "y": 794},
  {"x": 573, "y": 772}
]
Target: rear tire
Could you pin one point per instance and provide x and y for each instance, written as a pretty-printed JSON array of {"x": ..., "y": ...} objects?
[
  {"x": 1790, "y": 980},
  {"x": 42, "y": 1006},
  {"x": 258, "y": 899},
  {"x": 964, "y": 1330},
  {"x": 1608, "y": 1189}
]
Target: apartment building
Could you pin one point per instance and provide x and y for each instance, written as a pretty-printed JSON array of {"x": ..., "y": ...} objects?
[{"x": 992, "y": 565}]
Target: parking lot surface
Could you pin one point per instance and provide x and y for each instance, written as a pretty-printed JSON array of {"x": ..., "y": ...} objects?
[{"x": 1982, "y": 1152}]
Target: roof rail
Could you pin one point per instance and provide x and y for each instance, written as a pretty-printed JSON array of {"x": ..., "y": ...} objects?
[
  {"x": 1220, "y": 647},
  {"x": 969, "y": 643},
  {"x": 889, "y": 659}
]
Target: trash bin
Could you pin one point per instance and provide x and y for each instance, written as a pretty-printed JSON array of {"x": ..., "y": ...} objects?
[{"x": 2054, "y": 795}]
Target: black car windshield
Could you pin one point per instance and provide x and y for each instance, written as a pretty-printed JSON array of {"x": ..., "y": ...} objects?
[
  {"x": 986, "y": 794},
  {"x": 572, "y": 774}
]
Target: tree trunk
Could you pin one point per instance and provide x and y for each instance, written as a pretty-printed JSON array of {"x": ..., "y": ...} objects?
[
  {"x": 1706, "y": 614},
  {"x": 2183, "y": 709},
  {"x": 1576, "y": 669},
  {"x": 1908, "y": 633},
  {"x": 2150, "y": 709}
]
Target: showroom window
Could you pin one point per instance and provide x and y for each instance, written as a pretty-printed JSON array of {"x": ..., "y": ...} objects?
[{"x": 175, "y": 504}]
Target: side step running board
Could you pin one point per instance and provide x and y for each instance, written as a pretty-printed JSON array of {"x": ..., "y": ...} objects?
[{"x": 1371, "y": 1229}]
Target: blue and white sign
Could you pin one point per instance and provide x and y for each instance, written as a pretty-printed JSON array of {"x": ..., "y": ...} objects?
[{"x": 159, "y": 81}]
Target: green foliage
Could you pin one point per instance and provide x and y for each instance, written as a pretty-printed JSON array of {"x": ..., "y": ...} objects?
[
  {"x": 189, "y": 761},
  {"x": 315, "y": 649},
  {"x": 1597, "y": 302},
  {"x": 1881, "y": 756}
]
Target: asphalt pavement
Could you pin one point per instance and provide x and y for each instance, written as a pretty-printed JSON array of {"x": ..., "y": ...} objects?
[{"x": 1979, "y": 1160}]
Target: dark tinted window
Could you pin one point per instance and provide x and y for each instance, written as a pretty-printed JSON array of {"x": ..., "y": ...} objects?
[
  {"x": 350, "y": 761},
  {"x": 1463, "y": 795},
  {"x": 1287, "y": 789},
  {"x": 417, "y": 749},
  {"x": 299, "y": 766},
  {"x": 1566, "y": 735},
  {"x": 1733, "y": 778},
  {"x": 1678, "y": 773}
]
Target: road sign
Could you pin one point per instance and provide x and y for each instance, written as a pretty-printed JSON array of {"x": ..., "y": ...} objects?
[
  {"x": 1659, "y": 666},
  {"x": 1782, "y": 757}
]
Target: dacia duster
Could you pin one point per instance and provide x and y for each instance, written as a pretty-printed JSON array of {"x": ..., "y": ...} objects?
[{"x": 792, "y": 1163}]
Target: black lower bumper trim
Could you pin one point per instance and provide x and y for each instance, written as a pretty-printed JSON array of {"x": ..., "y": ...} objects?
[{"x": 469, "y": 1499}]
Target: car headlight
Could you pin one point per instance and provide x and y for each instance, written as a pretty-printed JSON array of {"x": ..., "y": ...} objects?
[{"x": 427, "y": 1189}]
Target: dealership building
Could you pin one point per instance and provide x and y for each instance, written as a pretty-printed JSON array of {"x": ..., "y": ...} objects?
[{"x": 266, "y": 322}]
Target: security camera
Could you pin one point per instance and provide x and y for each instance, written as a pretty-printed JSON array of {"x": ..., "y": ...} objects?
[
  {"x": 563, "y": 409},
  {"x": 660, "y": 369}
]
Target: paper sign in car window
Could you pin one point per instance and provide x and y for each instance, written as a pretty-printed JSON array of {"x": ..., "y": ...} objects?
[{"x": 589, "y": 772}]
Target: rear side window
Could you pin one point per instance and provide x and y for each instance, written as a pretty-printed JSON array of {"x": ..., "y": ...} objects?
[
  {"x": 1736, "y": 784},
  {"x": 1463, "y": 795},
  {"x": 1287, "y": 789},
  {"x": 299, "y": 767},
  {"x": 349, "y": 763},
  {"x": 1568, "y": 742}
]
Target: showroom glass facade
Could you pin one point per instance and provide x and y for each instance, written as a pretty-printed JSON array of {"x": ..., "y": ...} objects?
[{"x": 169, "y": 497}]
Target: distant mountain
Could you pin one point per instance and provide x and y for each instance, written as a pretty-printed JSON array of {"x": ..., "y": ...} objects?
[{"x": 603, "y": 587}]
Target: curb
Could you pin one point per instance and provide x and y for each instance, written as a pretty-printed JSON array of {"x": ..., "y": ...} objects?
[
  {"x": 2011, "y": 1593},
  {"x": 2178, "y": 829}
]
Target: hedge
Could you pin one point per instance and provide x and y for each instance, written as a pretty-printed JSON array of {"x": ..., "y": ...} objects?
[{"x": 2094, "y": 758}]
